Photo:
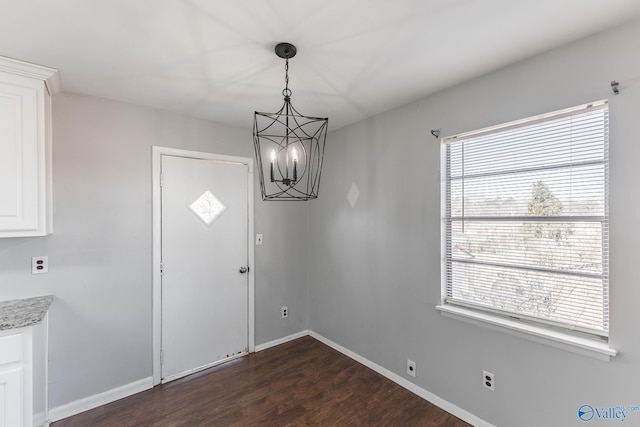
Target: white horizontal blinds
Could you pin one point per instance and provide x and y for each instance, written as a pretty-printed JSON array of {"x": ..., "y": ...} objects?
[{"x": 527, "y": 219}]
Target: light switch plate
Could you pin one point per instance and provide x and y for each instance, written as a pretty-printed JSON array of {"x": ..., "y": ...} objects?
[{"x": 259, "y": 238}]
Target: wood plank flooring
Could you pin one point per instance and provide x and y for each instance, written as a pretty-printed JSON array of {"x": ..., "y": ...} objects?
[{"x": 300, "y": 383}]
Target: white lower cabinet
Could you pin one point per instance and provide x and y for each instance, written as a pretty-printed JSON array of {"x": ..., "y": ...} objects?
[
  {"x": 23, "y": 361},
  {"x": 11, "y": 397}
]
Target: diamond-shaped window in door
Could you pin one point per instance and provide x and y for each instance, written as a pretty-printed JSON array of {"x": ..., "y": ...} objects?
[{"x": 207, "y": 207}]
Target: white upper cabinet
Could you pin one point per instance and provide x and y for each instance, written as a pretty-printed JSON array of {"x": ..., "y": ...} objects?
[{"x": 25, "y": 148}]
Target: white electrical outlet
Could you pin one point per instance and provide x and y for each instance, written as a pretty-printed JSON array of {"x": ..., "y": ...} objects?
[
  {"x": 285, "y": 311},
  {"x": 488, "y": 380},
  {"x": 39, "y": 264},
  {"x": 411, "y": 368}
]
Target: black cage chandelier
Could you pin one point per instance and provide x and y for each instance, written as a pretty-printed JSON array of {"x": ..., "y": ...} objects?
[{"x": 292, "y": 145}]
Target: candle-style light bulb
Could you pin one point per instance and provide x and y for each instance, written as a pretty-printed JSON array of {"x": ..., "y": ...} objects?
[
  {"x": 273, "y": 160},
  {"x": 294, "y": 156}
]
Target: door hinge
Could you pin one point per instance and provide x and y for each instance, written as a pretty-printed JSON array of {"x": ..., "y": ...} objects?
[
  {"x": 161, "y": 180},
  {"x": 161, "y": 269},
  {"x": 162, "y": 357}
]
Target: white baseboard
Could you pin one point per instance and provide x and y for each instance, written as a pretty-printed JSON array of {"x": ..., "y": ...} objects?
[
  {"x": 282, "y": 340},
  {"x": 81, "y": 405},
  {"x": 78, "y": 406},
  {"x": 426, "y": 395},
  {"x": 73, "y": 408}
]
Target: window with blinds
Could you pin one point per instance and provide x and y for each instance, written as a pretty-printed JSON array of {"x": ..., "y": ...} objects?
[{"x": 525, "y": 219}]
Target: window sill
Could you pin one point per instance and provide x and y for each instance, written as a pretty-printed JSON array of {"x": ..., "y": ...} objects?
[{"x": 564, "y": 341}]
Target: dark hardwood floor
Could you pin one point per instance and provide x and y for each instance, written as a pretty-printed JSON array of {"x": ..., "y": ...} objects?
[{"x": 300, "y": 383}]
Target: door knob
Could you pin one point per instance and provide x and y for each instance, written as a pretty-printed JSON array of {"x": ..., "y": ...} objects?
[{"x": 243, "y": 269}]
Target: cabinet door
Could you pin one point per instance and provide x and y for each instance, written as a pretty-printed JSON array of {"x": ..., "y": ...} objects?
[
  {"x": 11, "y": 401},
  {"x": 21, "y": 155}
]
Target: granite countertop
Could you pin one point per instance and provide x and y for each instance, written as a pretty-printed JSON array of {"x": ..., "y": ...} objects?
[{"x": 23, "y": 312}]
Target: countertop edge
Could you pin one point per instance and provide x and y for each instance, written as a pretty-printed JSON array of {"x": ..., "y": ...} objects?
[{"x": 24, "y": 312}]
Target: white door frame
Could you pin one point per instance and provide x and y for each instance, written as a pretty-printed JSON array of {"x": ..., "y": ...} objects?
[{"x": 157, "y": 153}]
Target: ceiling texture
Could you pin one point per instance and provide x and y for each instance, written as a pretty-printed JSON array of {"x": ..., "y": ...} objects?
[{"x": 214, "y": 59}]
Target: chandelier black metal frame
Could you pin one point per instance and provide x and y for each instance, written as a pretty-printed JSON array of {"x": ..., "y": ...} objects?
[{"x": 291, "y": 144}]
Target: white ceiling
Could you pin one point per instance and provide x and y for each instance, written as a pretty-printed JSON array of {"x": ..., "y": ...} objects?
[{"x": 214, "y": 59}]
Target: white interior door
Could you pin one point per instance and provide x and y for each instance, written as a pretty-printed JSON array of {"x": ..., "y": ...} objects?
[{"x": 204, "y": 230}]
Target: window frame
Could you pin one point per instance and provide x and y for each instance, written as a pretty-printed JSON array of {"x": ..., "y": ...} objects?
[{"x": 526, "y": 326}]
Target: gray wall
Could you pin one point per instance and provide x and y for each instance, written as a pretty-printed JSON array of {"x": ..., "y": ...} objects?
[
  {"x": 375, "y": 269},
  {"x": 100, "y": 251}
]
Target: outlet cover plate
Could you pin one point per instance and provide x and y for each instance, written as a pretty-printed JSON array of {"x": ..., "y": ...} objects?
[
  {"x": 488, "y": 380},
  {"x": 39, "y": 264},
  {"x": 411, "y": 368}
]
